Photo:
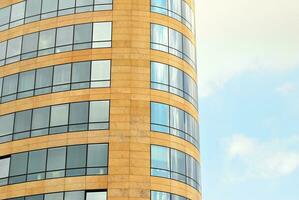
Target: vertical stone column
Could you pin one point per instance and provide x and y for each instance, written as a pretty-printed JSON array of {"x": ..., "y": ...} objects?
[{"x": 129, "y": 143}]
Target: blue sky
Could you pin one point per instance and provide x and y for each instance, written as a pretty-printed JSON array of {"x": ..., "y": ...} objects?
[{"x": 248, "y": 53}]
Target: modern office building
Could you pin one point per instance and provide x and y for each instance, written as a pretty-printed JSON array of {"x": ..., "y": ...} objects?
[{"x": 98, "y": 100}]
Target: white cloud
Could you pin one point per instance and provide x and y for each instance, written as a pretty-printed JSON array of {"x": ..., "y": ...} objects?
[
  {"x": 249, "y": 158},
  {"x": 286, "y": 88},
  {"x": 236, "y": 37}
]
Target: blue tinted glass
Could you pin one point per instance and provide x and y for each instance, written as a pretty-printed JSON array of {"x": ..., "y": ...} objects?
[
  {"x": 159, "y": 114},
  {"x": 160, "y": 157}
]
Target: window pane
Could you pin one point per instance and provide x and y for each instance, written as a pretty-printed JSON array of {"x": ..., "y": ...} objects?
[
  {"x": 4, "y": 15},
  {"x": 83, "y": 33},
  {"x": 6, "y": 122},
  {"x": 81, "y": 72},
  {"x": 175, "y": 42},
  {"x": 2, "y": 51},
  {"x": 160, "y": 157},
  {"x": 100, "y": 70},
  {"x": 160, "y": 114},
  {"x": 33, "y": 7},
  {"x": 159, "y": 73},
  {"x": 63, "y": 4},
  {"x": 177, "y": 118},
  {"x": 175, "y": 6},
  {"x": 96, "y": 196},
  {"x": 59, "y": 115},
  {"x": 35, "y": 197},
  {"x": 4, "y": 167},
  {"x": 160, "y": 196},
  {"x": 176, "y": 197},
  {"x": 76, "y": 156},
  {"x": 1, "y": 82},
  {"x": 10, "y": 84},
  {"x": 97, "y": 155},
  {"x": 62, "y": 74},
  {"x": 178, "y": 162},
  {"x": 79, "y": 113},
  {"x": 54, "y": 196},
  {"x": 102, "y": 31},
  {"x": 77, "y": 195},
  {"x": 49, "y": 5},
  {"x": 40, "y": 118},
  {"x": 37, "y": 161},
  {"x": 30, "y": 43},
  {"x": 17, "y": 11},
  {"x": 47, "y": 39},
  {"x": 159, "y": 3},
  {"x": 18, "y": 164},
  {"x": 23, "y": 121},
  {"x": 64, "y": 35},
  {"x": 176, "y": 78},
  {"x": 159, "y": 34},
  {"x": 14, "y": 47},
  {"x": 26, "y": 81},
  {"x": 83, "y": 2},
  {"x": 99, "y": 111},
  {"x": 56, "y": 159},
  {"x": 44, "y": 77}
]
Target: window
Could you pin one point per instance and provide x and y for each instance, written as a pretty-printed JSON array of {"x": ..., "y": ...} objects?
[
  {"x": 177, "y": 9},
  {"x": 173, "y": 80},
  {"x": 159, "y": 117},
  {"x": 18, "y": 167},
  {"x": 160, "y": 162},
  {"x": 6, "y": 128},
  {"x": 78, "y": 116},
  {"x": 76, "y": 160},
  {"x": 46, "y": 42},
  {"x": 64, "y": 39},
  {"x": 72, "y": 195},
  {"x": 96, "y": 160},
  {"x": 10, "y": 85},
  {"x": 80, "y": 75},
  {"x": 29, "y": 47},
  {"x": 102, "y": 34},
  {"x": 14, "y": 49},
  {"x": 17, "y": 14},
  {"x": 33, "y": 10},
  {"x": 174, "y": 164},
  {"x": 66, "y": 7},
  {"x": 100, "y": 73},
  {"x": 43, "y": 80},
  {"x": 83, "y": 34},
  {"x": 173, "y": 42},
  {"x": 40, "y": 121},
  {"x": 26, "y": 84},
  {"x": 49, "y": 8},
  {"x": 55, "y": 119},
  {"x": 54, "y": 163},
  {"x": 155, "y": 195},
  {"x": 159, "y": 37},
  {"x": 62, "y": 77},
  {"x": 2, "y": 52},
  {"x": 4, "y": 17},
  {"x": 159, "y": 76},
  {"x": 172, "y": 120},
  {"x": 96, "y": 195},
  {"x": 4, "y": 170},
  {"x": 37, "y": 164}
]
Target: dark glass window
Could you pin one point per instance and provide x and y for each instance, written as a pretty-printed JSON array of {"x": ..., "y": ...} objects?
[
  {"x": 6, "y": 127},
  {"x": 18, "y": 167},
  {"x": 79, "y": 116},
  {"x": 37, "y": 163},
  {"x": 23, "y": 121},
  {"x": 83, "y": 36},
  {"x": 17, "y": 13},
  {"x": 40, "y": 121},
  {"x": 43, "y": 80},
  {"x": 76, "y": 160},
  {"x": 81, "y": 75},
  {"x": 46, "y": 42},
  {"x": 14, "y": 49},
  {"x": 62, "y": 77},
  {"x": 49, "y": 6},
  {"x": 64, "y": 39},
  {"x": 56, "y": 162},
  {"x": 26, "y": 84},
  {"x": 29, "y": 47},
  {"x": 4, "y": 17},
  {"x": 10, "y": 85},
  {"x": 59, "y": 115},
  {"x": 33, "y": 10}
]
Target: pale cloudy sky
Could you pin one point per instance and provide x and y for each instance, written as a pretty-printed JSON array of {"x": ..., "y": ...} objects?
[{"x": 248, "y": 56}]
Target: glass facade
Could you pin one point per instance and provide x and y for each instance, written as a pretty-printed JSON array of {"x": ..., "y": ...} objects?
[
  {"x": 35, "y": 10},
  {"x": 70, "y": 195},
  {"x": 68, "y": 76},
  {"x": 57, "y": 40},
  {"x": 55, "y": 119},
  {"x": 170, "y": 79},
  {"x": 174, "y": 121},
  {"x": 177, "y": 9},
  {"x": 171, "y": 41},
  {"x": 69, "y": 161},
  {"x": 175, "y": 164},
  {"x": 157, "y": 195}
]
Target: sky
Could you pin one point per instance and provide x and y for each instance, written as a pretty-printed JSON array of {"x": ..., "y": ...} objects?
[{"x": 248, "y": 69}]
